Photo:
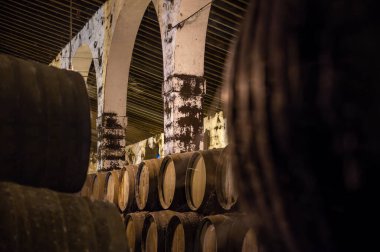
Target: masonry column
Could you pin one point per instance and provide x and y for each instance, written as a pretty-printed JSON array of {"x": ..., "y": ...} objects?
[
  {"x": 111, "y": 141},
  {"x": 183, "y": 116}
]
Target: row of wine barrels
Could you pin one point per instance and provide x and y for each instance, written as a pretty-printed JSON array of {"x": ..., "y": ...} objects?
[
  {"x": 34, "y": 219},
  {"x": 185, "y": 232},
  {"x": 126, "y": 198},
  {"x": 45, "y": 123},
  {"x": 198, "y": 181}
]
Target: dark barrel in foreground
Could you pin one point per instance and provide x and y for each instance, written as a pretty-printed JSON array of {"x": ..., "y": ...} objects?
[
  {"x": 45, "y": 125},
  {"x": 34, "y": 219}
]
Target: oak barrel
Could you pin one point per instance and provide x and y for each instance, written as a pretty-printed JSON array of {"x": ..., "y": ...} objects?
[
  {"x": 225, "y": 183},
  {"x": 171, "y": 181},
  {"x": 111, "y": 186},
  {"x": 33, "y": 219},
  {"x": 98, "y": 191},
  {"x": 201, "y": 179},
  {"x": 154, "y": 231},
  {"x": 303, "y": 121},
  {"x": 134, "y": 223},
  {"x": 146, "y": 189},
  {"x": 126, "y": 198},
  {"x": 45, "y": 125},
  {"x": 181, "y": 232},
  {"x": 223, "y": 233}
]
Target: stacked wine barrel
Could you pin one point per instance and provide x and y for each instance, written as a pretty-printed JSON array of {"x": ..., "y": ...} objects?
[
  {"x": 183, "y": 202},
  {"x": 45, "y": 129}
]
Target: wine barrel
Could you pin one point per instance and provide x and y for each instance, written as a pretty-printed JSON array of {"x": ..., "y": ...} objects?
[
  {"x": 33, "y": 219},
  {"x": 146, "y": 189},
  {"x": 45, "y": 125},
  {"x": 225, "y": 182},
  {"x": 200, "y": 181},
  {"x": 134, "y": 223},
  {"x": 154, "y": 230},
  {"x": 171, "y": 181},
  {"x": 303, "y": 121},
  {"x": 87, "y": 187},
  {"x": 98, "y": 190},
  {"x": 111, "y": 186},
  {"x": 181, "y": 232},
  {"x": 250, "y": 243},
  {"x": 126, "y": 198},
  {"x": 223, "y": 233}
]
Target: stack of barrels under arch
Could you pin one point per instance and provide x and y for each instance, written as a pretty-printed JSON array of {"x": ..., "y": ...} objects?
[
  {"x": 45, "y": 133},
  {"x": 183, "y": 202}
]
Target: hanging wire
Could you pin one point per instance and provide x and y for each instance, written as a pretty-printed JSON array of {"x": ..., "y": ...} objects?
[
  {"x": 71, "y": 33},
  {"x": 180, "y": 24}
]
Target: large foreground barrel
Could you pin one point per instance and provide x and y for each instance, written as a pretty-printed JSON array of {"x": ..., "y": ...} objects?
[
  {"x": 171, "y": 181},
  {"x": 303, "y": 115},
  {"x": 154, "y": 231},
  {"x": 45, "y": 125},
  {"x": 201, "y": 179},
  {"x": 224, "y": 233},
  {"x": 34, "y": 219},
  {"x": 134, "y": 223},
  {"x": 181, "y": 232},
  {"x": 126, "y": 198},
  {"x": 147, "y": 185}
]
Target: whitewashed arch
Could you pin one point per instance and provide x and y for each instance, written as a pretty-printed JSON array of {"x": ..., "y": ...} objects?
[
  {"x": 81, "y": 61},
  {"x": 120, "y": 55}
]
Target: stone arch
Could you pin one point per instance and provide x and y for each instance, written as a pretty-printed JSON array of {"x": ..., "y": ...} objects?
[
  {"x": 120, "y": 55},
  {"x": 112, "y": 122},
  {"x": 81, "y": 61}
]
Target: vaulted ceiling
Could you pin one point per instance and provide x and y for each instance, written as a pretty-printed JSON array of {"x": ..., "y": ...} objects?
[{"x": 39, "y": 29}]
